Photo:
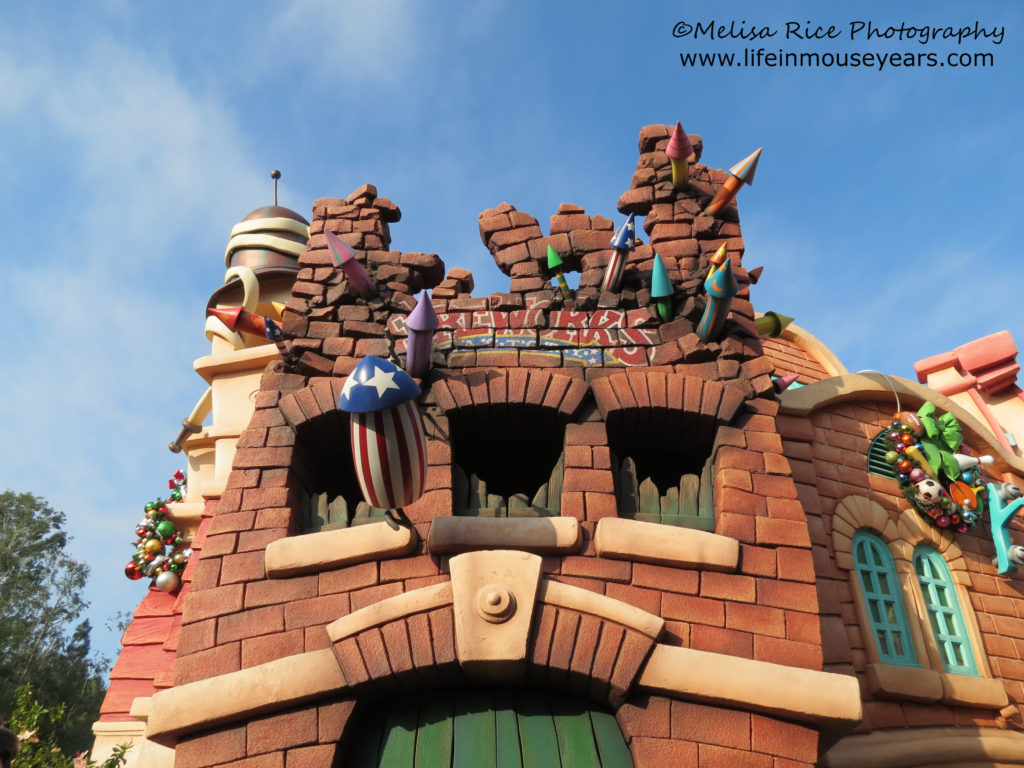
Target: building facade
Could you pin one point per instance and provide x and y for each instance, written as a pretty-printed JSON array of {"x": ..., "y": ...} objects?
[{"x": 631, "y": 549}]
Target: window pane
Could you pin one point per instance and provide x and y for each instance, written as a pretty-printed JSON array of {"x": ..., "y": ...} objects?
[
  {"x": 944, "y": 612},
  {"x": 875, "y": 609},
  {"x": 883, "y": 584},
  {"x": 880, "y": 588}
]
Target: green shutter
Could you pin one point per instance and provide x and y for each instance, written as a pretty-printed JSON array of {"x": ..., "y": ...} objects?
[
  {"x": 879, "y": 584},
  {"x": 944, "y": 612},
  {"x": 877, "y": 465}
]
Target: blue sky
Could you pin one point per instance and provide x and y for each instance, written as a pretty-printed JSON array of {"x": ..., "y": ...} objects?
[{"x": 136, "y": 134}]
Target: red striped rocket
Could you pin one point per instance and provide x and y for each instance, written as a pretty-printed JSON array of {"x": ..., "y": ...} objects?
[
  {"x": 388, "y": 441},
  {"x": 623, "y": 242}
]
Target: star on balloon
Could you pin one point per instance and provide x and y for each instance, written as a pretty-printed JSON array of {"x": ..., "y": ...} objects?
[{"x": 381, "y": 381}]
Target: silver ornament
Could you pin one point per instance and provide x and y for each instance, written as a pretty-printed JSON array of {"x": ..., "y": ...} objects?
[{"x": 167, "y": 581}]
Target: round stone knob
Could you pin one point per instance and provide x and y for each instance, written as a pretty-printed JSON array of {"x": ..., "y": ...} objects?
[{"x": 495, "y": 603}]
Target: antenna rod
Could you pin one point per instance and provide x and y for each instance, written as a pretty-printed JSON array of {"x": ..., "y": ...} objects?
[{"x": 275, "y": 175}]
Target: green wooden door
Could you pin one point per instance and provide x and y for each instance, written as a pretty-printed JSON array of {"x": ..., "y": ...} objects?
[{"x": 483, "y": 728}]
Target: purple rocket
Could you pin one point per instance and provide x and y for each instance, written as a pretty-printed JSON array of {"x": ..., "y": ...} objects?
[{"x": 421, "y": 323}]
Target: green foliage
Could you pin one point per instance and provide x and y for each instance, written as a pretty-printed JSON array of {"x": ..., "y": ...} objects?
[
  {"x": 35, "y": 726},
  {"x": 43, "y": 640}
]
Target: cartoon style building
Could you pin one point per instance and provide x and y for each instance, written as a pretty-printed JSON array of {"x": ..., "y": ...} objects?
[{"x": 631, "y": 550}]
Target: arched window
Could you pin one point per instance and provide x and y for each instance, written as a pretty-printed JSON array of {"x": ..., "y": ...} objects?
[
  {"x": 947, "y": 620},
  {"x": 880, "y": 587}
]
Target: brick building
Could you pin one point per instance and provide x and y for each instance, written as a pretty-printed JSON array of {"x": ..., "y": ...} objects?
[{"x": 631, "y": 550}]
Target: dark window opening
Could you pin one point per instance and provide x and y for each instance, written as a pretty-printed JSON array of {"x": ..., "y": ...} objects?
[
  {"x": 323, "y": 463},
  {"x": 663, "y": 466},
  {"x": 507, "y": 461}
]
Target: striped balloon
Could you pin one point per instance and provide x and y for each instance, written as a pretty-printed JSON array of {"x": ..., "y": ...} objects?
[{"x": 390, "y": 456}]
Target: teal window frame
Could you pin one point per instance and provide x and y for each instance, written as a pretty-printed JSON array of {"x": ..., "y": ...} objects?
[
  {"x": 945, "y": 614},
  {"x": 880, "y": 586}
]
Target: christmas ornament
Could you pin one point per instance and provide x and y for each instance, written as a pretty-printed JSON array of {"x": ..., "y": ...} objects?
[
  {"x": 158, "y": 550},
  {"x": 936, "y": 472}
]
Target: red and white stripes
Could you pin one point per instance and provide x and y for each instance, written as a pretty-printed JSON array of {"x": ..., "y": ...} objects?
[{"x": 389, "y": 453}]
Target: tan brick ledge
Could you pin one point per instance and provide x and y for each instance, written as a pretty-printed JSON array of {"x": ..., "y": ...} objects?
[
  {"x": 392, "y": 609},
  {"x": 981, "y": 692},
  {"x": 621, "y": 539},
  {"x": 541, "y": 535},
  {"x": 954, "y": 746},
  {"x": 247, "y": 359},
  {"x": 325, "y": 550},
  {"x": 268, "y": 687},
  {"x": 798, "y": 694},
  {"x": 585, "y": 601}
]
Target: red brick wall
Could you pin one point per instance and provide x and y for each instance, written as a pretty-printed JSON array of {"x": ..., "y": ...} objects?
[
  {"x": 828, "y": 454},
  {"x": 234, "y": 617}
]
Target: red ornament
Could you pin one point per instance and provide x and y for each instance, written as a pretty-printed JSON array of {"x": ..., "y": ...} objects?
[
  {"x": 907, "y": 438},
  {"x": 905, "y": 465},
  {"x": 132, "y": 571}
]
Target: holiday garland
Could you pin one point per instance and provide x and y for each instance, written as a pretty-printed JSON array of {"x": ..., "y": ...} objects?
[
  {"x": 159, "y": 553},
  {"x": 937, "y": 474}
]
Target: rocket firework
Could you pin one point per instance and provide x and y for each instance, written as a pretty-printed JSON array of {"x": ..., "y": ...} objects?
[
  {"x": 721, "y": 286},
  {"x": 680, "y": 152},
  {"x": 772, "y": 324},
  {"x": 237, "y": 319},
  {"x": 345, "y": 259},
  {"x": 661, "y": 289},
  {"x": 623, "y": 242},
  {"x": 421, "y": 323},
  {"x": 555, "y": 265},
  {"x": 741, "y": 173}
]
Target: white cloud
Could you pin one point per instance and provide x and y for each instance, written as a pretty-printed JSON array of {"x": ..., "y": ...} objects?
[
  {"x": 104, "y": 297},
  {"x": 352, "y": 41}
]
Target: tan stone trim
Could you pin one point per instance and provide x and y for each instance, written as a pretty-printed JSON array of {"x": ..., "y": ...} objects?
[
  {"x": 583, "y": 600},
  {"x": 813, "y": 346},
  {"x": 954, "y": 746},
  {"x": 982, "y": 692},
  {"x": 271, "y": 223},
  {"x": 889, "y": 681},
  {"x": 313, "y": 552},
  {"x": 926, "y": 647},
  {"x": 248, "y": 359},
  {"x": 392, "y": 609},
  {"x": 186, "y": 516},
  {"x": 494, "y": 593},
  {"x": 542, "y": 535},
  {"x": 853, "y": 387},
  {"x": 266, "y": 240},
  {"x": 798, "y": 694},
  {"x": 141, "y": 707},
  {"x": 268, "y": 687},
  {"x": 127, "y": 728},
  {"x": 621, "y": 539},
  {"x": 914, "y": 530}
]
